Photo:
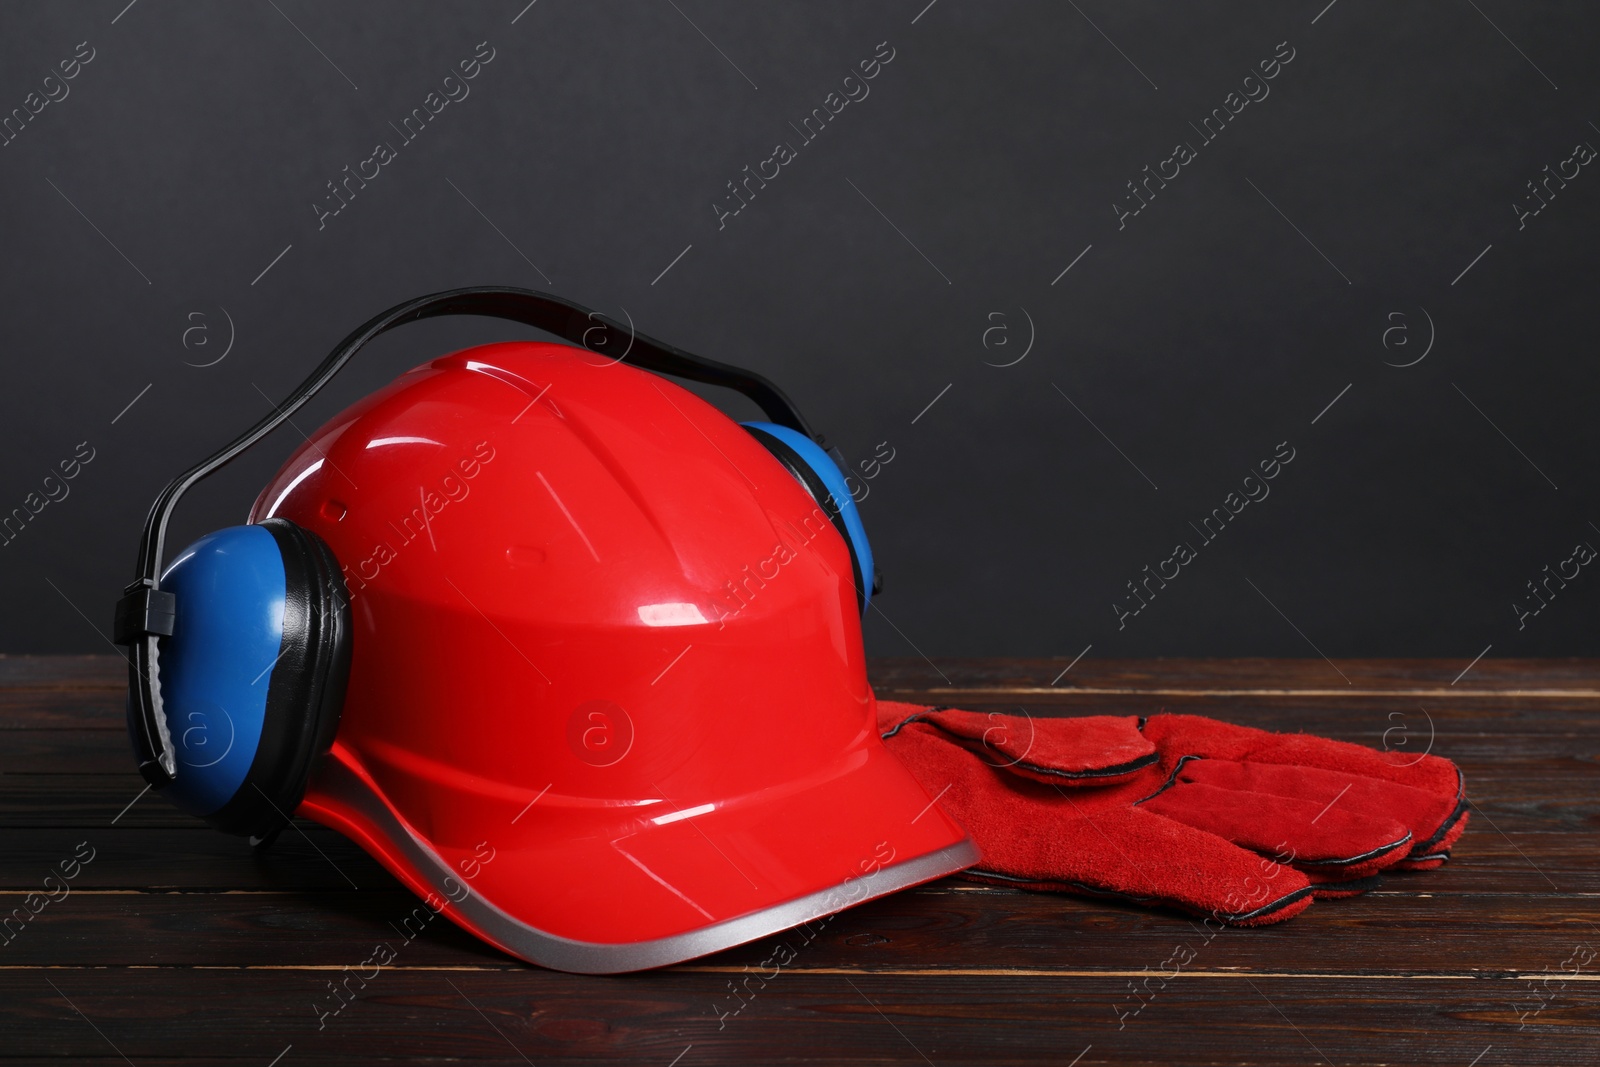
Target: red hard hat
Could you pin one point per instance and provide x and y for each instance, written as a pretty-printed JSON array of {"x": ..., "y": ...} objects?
[{"x": 607, "y": 703}]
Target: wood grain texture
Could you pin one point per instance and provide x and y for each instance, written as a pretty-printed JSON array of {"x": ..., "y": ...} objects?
[{"x": 180, "y": 945}]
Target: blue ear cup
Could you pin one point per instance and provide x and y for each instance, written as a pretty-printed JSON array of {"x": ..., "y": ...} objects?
[
  {"x": 253, "y": 673},
  {"x": 216, "y": 667},
  {"x": 822, "y": 477}
]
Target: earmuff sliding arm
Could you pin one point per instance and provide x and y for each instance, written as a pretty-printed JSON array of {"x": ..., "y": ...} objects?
[
  {"x": 575, "y": 323},
  {"x": 567, "y": 320}
]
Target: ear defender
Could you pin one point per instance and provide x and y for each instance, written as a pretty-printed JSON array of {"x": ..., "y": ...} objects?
[
  {"x": 826, "y": 483},
  {"x": 253, "y": 674},
  {"x": 239, "y": 652}
]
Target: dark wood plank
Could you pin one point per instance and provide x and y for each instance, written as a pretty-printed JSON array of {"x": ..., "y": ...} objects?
[
  {"x": 64, "y": 751},
  {"x": 942, "y": 929},
  {"x": 196, "y": 857},
  {"x": 71, "y": 672},
  {"x": 200, "y": 859},
  {"x": 1486, "y": 675},
  {"x": 183, "y": 945},
  {"x": 1479, "y": 740},
  {"x": 98, "y": 681},
  {"x": 1371, "y": 712},
  {"x": 1516, "y": 793},
  {"x": 1351, "y": 676},
  {"x": 1481, "y": 733},
  {"x": 1199, "y": 1017},
  {"x": 44, "y": 707}
]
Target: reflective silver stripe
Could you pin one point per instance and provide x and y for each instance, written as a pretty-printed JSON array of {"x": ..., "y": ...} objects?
[{"x": 333, "y": 779}]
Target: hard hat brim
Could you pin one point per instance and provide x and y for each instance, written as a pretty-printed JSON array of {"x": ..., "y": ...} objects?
[{"x": 877, "y": 794}]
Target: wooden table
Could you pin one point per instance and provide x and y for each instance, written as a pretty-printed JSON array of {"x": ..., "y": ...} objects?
[{"x": 177, "y": 944}]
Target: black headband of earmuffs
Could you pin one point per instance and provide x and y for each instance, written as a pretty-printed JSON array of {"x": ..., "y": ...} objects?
[{"x": 146, "y": 612}]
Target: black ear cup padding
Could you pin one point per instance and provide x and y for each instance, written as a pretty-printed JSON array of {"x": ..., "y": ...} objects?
[
  {"x": 306, "y": 688},
  {"x": 820, "y": 493}
]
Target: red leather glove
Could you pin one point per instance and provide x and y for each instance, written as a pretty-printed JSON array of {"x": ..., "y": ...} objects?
[{"x": 1229, "y": 822}]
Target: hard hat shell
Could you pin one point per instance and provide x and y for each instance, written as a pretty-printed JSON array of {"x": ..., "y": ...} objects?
[{"x": 608, "y": 706}]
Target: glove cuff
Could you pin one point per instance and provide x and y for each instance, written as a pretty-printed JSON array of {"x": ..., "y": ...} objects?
[{"x": 1087, "y": 750}]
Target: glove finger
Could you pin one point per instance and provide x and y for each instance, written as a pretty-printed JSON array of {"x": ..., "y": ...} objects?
[
  {"x": 1431, "y": 853},
  {"x": 1142, "y": 857},
  {"x": 1430, "y": 816},
  {"x": 1085, "y": 750},
  {"x": 1339, "y": 844},
  {"x": 1186, "y": 734},
  {"x": 1040, "y": 836},
  {"x": 1334, "y": 890}
]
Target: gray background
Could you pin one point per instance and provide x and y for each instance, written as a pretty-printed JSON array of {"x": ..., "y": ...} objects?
[{"x": 1223, "y": 319}]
